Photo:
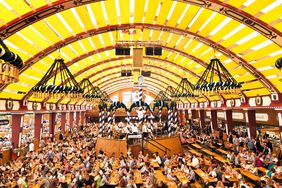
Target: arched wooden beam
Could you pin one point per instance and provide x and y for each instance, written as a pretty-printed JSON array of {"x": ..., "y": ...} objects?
[
  {"x": 215, "y": 5},
  {"x": 118, "y": 91},
  {"x": 240, "y": 61}
]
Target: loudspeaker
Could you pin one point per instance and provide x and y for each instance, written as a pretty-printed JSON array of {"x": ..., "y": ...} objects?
[
  {"x": 274, "y": 97},
  {"x": 123, "y": 73},
  {"x": 126, "y": 51},
  {"x": 149, "y": 51},
  {"x": 119, "y": 51},
  {"x": 146, "y": 73},
  {"x": 158, "y": 51},
  {"x": 126, "y": 73}
]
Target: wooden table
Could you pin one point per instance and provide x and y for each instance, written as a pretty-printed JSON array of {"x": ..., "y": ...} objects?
[
  {"x": 155, "y": 165},
  {"x": 181, "y": 176},
  {"x": 222, "y": 151},
  {"x": 114, "y": 178},
  {"x": 250, "y": 175},
  {"x": 194, "y": 152},
  {"x": 208, "y": 152},
  {"x": 197, "y": 146},
  {"x": 161, "y": 177},
  {"x": 205, "y": 176},
  {"x": 138, "y": 177},
  {"x": 262, "y": 169}
]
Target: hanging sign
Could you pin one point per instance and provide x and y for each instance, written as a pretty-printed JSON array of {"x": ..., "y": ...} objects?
[{"x": 4, "y": 122}]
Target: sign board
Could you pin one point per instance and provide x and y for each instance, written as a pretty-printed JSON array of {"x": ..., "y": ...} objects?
[
  {"x": 135, "y": 136},
  {"x": 4, "y": 122}
]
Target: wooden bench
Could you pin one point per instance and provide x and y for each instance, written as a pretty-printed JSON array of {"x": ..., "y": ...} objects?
[
  {"x": 196, "y": 185},
  {"x": 222, "y": 151},
  {"x": 197, "y": 146},
  {"x": 250, "y": 175},
  {"x": 205, "y": 176},
  {"x": 194, "y": 152},
  {"x": 262, "y": 169}
]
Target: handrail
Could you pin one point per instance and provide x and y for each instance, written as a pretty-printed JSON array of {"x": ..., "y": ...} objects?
[
  {"x": 165, "y": 151},
  {"x": 165, "y": 148},
  {"x": 158, "y": 143}
]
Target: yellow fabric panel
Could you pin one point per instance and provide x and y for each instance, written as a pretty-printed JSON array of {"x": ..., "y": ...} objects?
[
  {"x": 212, "y": 24},
  {"x": 278, "y": 26},
  {"x": 252, "y": 85},
  {"x": 60, "y": 28},
  {"x": 257, "y": 91},
  {"x": 138, "y": 15},
  {"x": 124, "y": 6},
  {"x": 262, "y": 52},
  {"x": 9, "y": 16},
  {"x": 236, "y": 37},
  {"x": 151, "y": 12},
  {"x": 98, "y": 14},
  {"x": 43, "y": 28},
  {"x": 9, "y": 95},
  {"x": 164, "y": 13},
  {"x": 192, "y": 11},
  {"x": 18, "y": 87},
  {"x": 205, "y": 14},
  {"x": 178, "y": 10},
  {"x": 19, "y": 6},
  {"x": 35, "y": 38},
  {"x": 173, "y": 40},
  {"x": 257, "y": 5},
  {"x": 236, "y": 3},
  {"x": 72, "y": 22},
  {"x": 37, "y": 3},
  {"x": 273, "y": 15},
  {"x": 84, "y": 16},
  {"x": 225, "y": 30},
  {"x": 111, "y": 12},
  {"x": 247, "y": 45}
]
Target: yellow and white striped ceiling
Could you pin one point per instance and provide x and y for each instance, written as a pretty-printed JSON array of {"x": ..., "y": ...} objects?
[{"x": 187, "y": 32}]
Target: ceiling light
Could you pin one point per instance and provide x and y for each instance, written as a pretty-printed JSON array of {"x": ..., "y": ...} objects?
[
  {"x": 271, "y": 6},
  {"x": 248, "y": 2},
  {"x": 279, "y": 52},
  {"x": 77, "y": 17},
  {"x": 187, "y": 44},
  {"x": 171, "y": 10},
  {"x": 64, "y": 22},
  {"x": 197, "y": 47},
  {"x": 265, "y": 68},
  {"x": 92, "y": 17},
  {"x": 183, "y": 14}
]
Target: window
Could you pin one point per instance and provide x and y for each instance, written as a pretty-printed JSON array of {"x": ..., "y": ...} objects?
[
  {"x": 114, "y": 98},
  {"x": 126, "y": 97},
  {"x": 148, "y": 99}
]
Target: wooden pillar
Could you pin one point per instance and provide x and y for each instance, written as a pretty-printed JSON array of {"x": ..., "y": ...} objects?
[
  {"x": 71, "y": 120},
  {"x": 82, "y": 117},
  {"x": 214, "y": 120},
  {"x": 202, "y": 118},
  {"x": 251, "y": 123},
  {"x": 194, "y": 114},
  {"x": 63, "y": 121},
  {"x": 52, "y": 124},
  {"x": 17, "y": 120},
  {"x": 37, "y": 125},
  {"x": 280, "y": 124},
  {"x": 77, "y": 118},
  {"x": 228, "y": 119}
]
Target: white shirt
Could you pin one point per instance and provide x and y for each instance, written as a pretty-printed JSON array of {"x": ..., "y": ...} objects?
[
  {"x": 195, "y": 162},
  {"x": 31, "y": 146}
]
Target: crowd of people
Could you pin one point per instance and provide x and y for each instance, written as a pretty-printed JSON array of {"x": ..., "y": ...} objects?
[{"x": 72, "y": 161}]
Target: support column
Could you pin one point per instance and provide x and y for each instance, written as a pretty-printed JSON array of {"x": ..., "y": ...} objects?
[
  {"x": 52, "y": 124},
  {"x": 202, "y": 118},
  {"x": 77, "y": 118},
  {"x": 251, "y": 123},
  {"x": 186, "y": 115},
  {"x": 82, "y": 121},
  {"x": 37, "y": 125},
  {"x": 71, "y": 120},
  {"x": 17, "y": 120},
  {"x": 193, "y": 114},
  {"x": 214, "y": 120},
  {"x": 63, "y": 121},
  {"x": 280, "y": 124},
  {"x": 228, "y": 119}
]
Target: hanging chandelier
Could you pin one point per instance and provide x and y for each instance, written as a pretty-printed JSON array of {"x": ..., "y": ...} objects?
[
  {"x": 91, "y": 93},
  {"x": 169, "y": 92},
  {"x": 184, "y": 91},
  {"x": 10, "y": 65},
  {"x": 216, "y": 80},
  {"x": 58, "y": 82}
]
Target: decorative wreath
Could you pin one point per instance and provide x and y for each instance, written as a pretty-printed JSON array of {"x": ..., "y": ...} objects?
[
  {"x": 9, "y": 104},
  {"x": 232, "y": 102},
  {"x": 258, "y": 100},
  {"x": 34, "y": 106}
]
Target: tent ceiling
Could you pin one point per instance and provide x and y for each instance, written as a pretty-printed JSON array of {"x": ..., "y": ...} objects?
[{"x": 86, "y": 33}]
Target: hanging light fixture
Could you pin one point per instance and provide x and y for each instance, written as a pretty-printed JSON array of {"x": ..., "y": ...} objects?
[
  {"x": 184, "y": 91},
  {"x": 91, "y": 93},
  {"x": 58, "y": 82},
  {"x": 10, "y": 65},
  {"x": 216, "y": 80},
  {"x": 169, "y": 92}
]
